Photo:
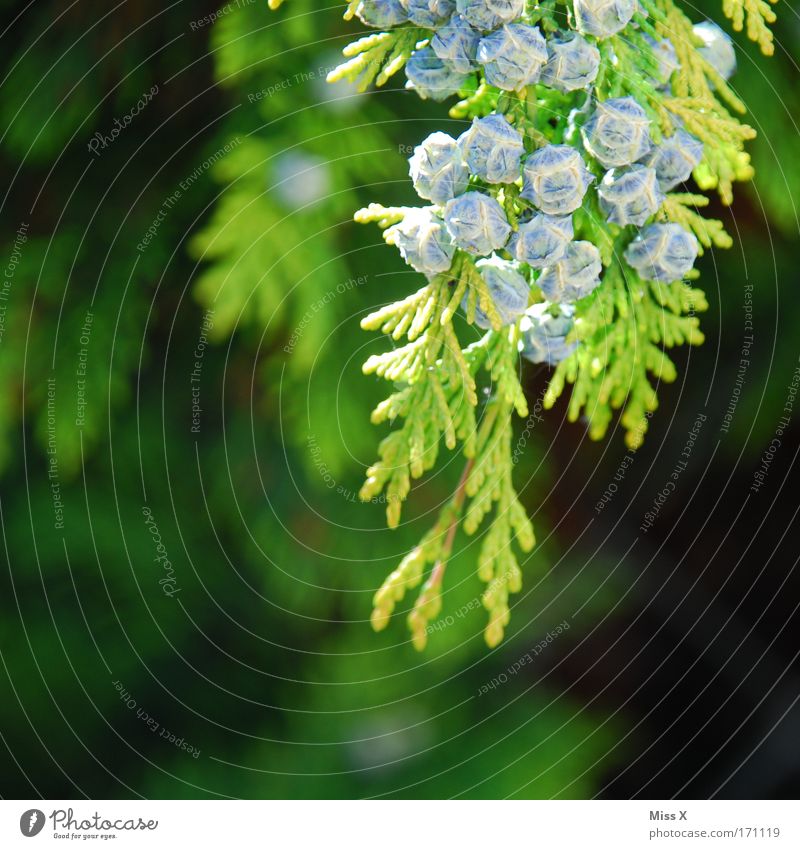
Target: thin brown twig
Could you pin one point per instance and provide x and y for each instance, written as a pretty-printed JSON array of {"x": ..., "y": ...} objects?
[{"x": 437, "y": 573}]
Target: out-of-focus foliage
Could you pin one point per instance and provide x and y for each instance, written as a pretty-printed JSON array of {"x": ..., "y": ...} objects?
[{"x": 276, "y": 252}]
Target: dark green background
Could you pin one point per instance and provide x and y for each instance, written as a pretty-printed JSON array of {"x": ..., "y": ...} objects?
[{"x": 679, "y": 672}]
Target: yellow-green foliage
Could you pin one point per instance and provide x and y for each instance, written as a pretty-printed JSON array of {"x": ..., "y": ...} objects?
[
  {"x": 758, "y": 14},
  {"x": 376, "y": 57}
]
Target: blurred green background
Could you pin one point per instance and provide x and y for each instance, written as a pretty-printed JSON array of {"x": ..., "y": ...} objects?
[{"x": 180, "y": 365}]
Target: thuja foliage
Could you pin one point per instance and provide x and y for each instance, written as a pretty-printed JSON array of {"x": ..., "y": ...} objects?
[{"x": 559, "y": 222}]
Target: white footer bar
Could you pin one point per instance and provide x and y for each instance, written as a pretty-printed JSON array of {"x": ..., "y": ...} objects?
[{"x": 402, "y": 824}]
